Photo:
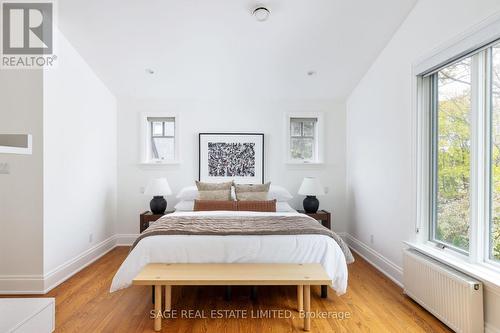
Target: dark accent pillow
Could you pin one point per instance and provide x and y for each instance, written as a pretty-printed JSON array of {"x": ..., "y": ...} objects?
[
  {"x": 257, "y": 206},
  {"x": 210, "y": 205}
]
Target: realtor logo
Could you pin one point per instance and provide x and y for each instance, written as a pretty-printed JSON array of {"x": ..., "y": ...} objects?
[{"x": 27, "y": 34}]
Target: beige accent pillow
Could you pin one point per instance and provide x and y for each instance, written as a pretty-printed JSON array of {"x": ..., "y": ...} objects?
[
  {"x": 252, "y": 192},
  {"x": 214, "y": 191}
]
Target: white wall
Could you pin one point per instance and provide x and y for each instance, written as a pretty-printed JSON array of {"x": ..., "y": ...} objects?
[
  {"x": 21, "y": 209},
  {"x": 197, "y": 116},
  {"x": 79, "y": 159},
  {"x": 379, "y": 134}
]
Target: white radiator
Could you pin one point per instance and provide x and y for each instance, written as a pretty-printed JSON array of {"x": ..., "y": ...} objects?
[{"x": 453, "y": 297}]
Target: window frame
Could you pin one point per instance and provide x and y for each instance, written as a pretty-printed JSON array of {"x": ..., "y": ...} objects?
[
  {"x": 318, "y": 137},
  {"x": 488, "y": 130},
  {"x": 433, "y": 158},
  {"x": 480, "y": 179},
  {"x": 146, "y": 136}
]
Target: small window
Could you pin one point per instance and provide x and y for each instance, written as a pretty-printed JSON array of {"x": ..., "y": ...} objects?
[
  {"x": 303, "y": 138},
  {"x": 160, "y": 139}
]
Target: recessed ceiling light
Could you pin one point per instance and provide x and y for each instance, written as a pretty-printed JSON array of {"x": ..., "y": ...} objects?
[
  {"x": 261, "y": 13},
  {"x": 311, "y": 73},
  {"x": 149, "y": 71}
]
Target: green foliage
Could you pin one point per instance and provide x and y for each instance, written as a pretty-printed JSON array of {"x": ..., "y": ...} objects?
[
  {"x": 495, "y": 172},
  {"x": 454, "y": 171},
  {"x": 454, "y": 154},
  {"x": 454, "y": 175}
]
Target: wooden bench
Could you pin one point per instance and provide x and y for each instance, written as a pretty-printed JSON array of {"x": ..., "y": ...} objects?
[{"x": 168, "y": 275}]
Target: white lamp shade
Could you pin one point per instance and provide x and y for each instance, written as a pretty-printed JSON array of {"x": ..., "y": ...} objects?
[
  {"x": 158, "y": 187},
  {"x": 311, "y": 186}
]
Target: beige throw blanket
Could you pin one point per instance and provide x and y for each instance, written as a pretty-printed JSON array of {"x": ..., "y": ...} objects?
[{"x": 241, "y": 225}]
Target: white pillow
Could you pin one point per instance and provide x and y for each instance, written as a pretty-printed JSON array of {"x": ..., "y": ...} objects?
[
  {"x": 284, "y": 207},
  {"x": 185, "y": 206},
  {"x": 190, "y": 193},
  {"x": 279, "y": 193}
]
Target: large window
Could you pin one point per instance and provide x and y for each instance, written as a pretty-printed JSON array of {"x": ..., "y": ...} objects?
[
  {"x": 464, "y": 102},
  {"x": 451, "y": 147},
  {"x": 494, "y": 229}
]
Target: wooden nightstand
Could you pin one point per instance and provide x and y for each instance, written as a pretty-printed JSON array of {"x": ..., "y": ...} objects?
[
  {"x": 321, "y": 215},
  {"x": 148, "y": 217}
]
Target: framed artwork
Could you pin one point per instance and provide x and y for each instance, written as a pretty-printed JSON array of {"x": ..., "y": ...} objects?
[{"x": 231, "y": 156}]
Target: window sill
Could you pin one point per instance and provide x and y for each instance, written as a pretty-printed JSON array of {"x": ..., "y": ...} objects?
[
  {"x": 304, "y": 163},
  {"x": 159, "y": 163},
  {"x": 488, "y": 275}
]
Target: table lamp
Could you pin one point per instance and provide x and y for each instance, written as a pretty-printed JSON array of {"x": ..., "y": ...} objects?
[
  {"x": 158, "y": 188},
  {"x": 311, "y": 187}
]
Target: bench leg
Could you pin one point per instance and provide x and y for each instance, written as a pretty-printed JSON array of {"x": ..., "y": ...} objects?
[
  {"x": 300, "y": 298},
  {"x": 168, "y": 298},
  {"x": 307, "y": 308},
  {"x": 228, "y": 293},
  {"x": 324, "y": 291},
  {"x": 253, "y": 293},
  {"x": 158, "y": 313}
]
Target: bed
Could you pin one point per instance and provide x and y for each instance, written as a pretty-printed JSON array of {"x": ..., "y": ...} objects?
[{"x": 330, "y": 252}]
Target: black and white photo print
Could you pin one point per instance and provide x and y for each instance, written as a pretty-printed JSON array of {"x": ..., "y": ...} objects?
[
  {"x": 231, "y": 156},
  {"x": 231, "y": 159}
]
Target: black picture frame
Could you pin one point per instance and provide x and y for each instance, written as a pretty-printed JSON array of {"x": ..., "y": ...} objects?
[{"x": 261, "y": 135}]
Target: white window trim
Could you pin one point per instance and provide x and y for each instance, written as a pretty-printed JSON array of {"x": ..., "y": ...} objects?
[
  {"x": 145, "y": 136},
  {"x": 477, "y": 263},
  {"x": 319, "y": 135}
]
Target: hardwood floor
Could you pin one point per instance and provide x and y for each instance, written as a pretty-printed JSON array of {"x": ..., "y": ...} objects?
[{"x": 373, "y": 302}]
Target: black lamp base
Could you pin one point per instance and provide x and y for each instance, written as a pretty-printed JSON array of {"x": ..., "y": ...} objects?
[
  {"x": 158, "y": 205},
  {"x": 311, "y": 204}
]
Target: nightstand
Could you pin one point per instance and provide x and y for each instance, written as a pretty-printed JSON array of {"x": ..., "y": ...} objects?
[
  {"x": 148, "y": 217},
  {"x": 321, "y": 215}
]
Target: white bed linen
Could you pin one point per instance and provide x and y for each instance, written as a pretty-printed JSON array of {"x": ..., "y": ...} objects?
[{"x": 235, "y": 249}]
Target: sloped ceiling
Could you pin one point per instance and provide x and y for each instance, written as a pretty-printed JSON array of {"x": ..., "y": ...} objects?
[{"x": 216, "y": 49}]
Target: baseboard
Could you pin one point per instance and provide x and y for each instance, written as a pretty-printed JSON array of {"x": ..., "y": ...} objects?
[
  {"x": 63, "y": 272},
  {"x": 42, "y": 284},
  {"x": 125, "y": 239},
  {"x": 38, "y": 284},
  {"x": 21, "y": 284},
  {"x": 384, "y": 265}
]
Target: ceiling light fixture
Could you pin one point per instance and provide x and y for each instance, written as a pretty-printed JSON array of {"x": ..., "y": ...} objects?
[{"x": 261, "y": 14}]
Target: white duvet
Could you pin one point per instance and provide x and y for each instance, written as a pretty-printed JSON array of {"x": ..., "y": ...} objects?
[{"x": 235, "y": 249}]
